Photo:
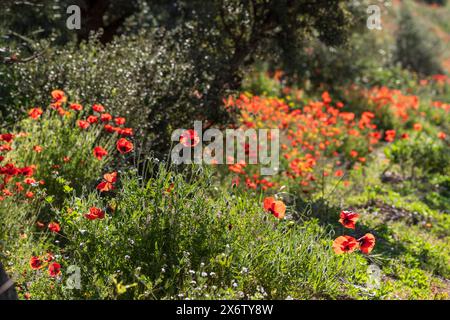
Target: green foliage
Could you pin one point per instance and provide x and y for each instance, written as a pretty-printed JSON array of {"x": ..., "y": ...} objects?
[
  {"x": 416, "y": 49},
  {"x": 191, "y": 243},
  {"x": 420, "y": 152}
]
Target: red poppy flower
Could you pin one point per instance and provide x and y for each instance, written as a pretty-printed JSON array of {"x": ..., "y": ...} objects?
[
  {"x": 106, "y": 117},
  {"x": 49, "y": 257},
  {"x": 27, "y": 171},
  {"x": 5, "y": 147},
  {"x": 339, "y": 173},
  {"x": 59, "y": 96},
  {"x": 268, "y": 203},
  {"x": 276, "y": 207},
  {"x": 95, "y": 213},
  {"x": 83, "y": 124},
  {"x": 29, "y": 194},
  {"x": 54, "y": 227},
  {"x": 7, "y": 137},
  {"x": 35, "y": 113},
  {"x": 92, "y": 119},
  {"x": 417, "y": 127},
  {"x": 98, "y": 108},
  {"x": 353, "y": 154},
  {"x": 109, "y": 128},
  {"x": 348, "y": 219},
  {"x": 344, "y": 244},
  {"x": 124, "y": 146},
  {"x": 119, "y": 121},
  {"x": 35, "y": 263},
  {"x": 9, "y": 169},
  {"x": 125, "y": 131},
  {"x": 108, "y": 183},
  {"x": 366, "y": 243},
  {"x": 189, "y": 138},
  {"x": 100, "y": 152},
  {"x": 37, "y": 149},
  {"x": 389, "y": 135},
  {"x": 29, "y": 181},
  {"x": 442, "y": 135},
  {"x": 54, "y": 269},
  {"x": 76, "y": 106}
]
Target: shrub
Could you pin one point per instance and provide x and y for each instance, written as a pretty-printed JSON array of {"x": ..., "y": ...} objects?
[
  {"x": 420, "y": 152},
  {"x": 416, "y": 49}
]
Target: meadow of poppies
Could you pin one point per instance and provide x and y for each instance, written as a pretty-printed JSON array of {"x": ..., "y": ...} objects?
[{"x": 93, "y": 207}]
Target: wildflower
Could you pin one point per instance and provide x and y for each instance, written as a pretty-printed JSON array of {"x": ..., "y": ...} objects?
[
  {"x": 119, "y": 121},
  {"x": 389, "y": 135},
  {"x": 326, "y": 97},
  {"x": 37, "y": 149},
  {"x": 100, "y": 152},
  {"x": 29, "y": 194},
  {"x": 49, "y": 257},
  {"x": 35, "y": 113},
  {"x": 95, "y": 213},
  {"x": 98, "y": 108},
  {"x": 7, "y": 137},
  {"x": 339, "y": 173},
  {"x": 189, "y": 138},
  {"x": 366, "y": 243},
  {"x": 417, "y": 127},
  {"x": 54, "y": 227},
  {"x": 108, "y": 183},
  {"x": 35, "y": 263},
  {"x": 276, "y": 207},
  {"x": 125, "y": 131},
  {"x": 29, "y": 181},
  {"x": 442, "y": 135},
  {"x": 124, "y": 146},
  {"x": 344, "y": 244},
  {"x": 92, "y": 119},
  {"x": 54, "y": 269},
  {"x": 348, "y": 219},
  {"x": 59, "y": 96},
  {"x": 106, "y": 117},
  {"x": 76, "y": 106},
  {"x": 353, "y": 154},
  {"x": 27, "y": 171},
  {"x": 83, "y": 124},
  {"x": 109, "y": 128}
]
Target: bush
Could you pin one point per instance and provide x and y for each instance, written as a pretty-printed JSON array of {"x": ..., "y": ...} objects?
[
  {"x": 149, "y": 84},
  {"x": 416, "y": 49},
  {"x": 420, "y": 152}
]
